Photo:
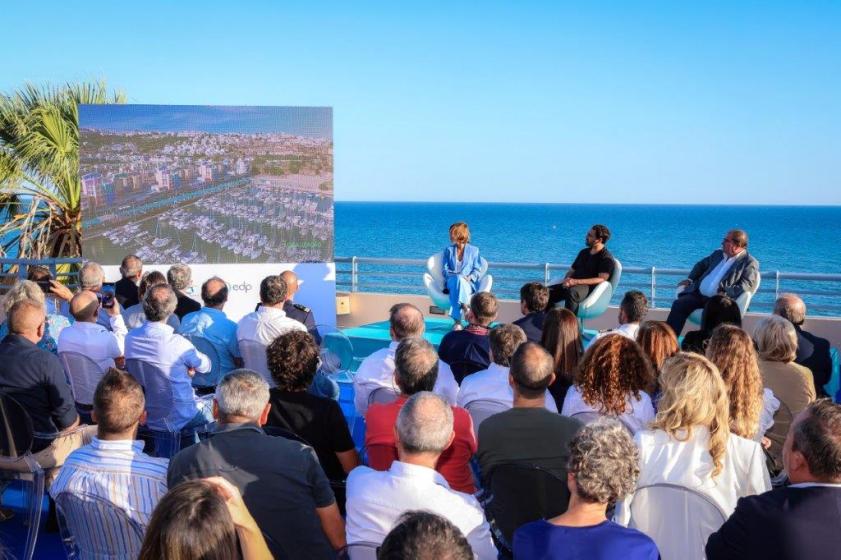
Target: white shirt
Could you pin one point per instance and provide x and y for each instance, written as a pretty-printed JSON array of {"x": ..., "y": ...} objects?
[
  {"x": 770, "y": 404},
  {"x": 95, "y": 341},
  {"x": 638, "y": 413},
  {"x": 266, "y": 324},
  {"x": 377, "y": 370},
  {"x": 689, "y": 464},
  {"x": 628, "y": 330},
  {"x": 709, "y": 285},
  {"x": 376, "y": 499},
  {"x": 134, "y": 317},
  {"x": 157, "y": 343},
  {"x": 492, "y": 384}
]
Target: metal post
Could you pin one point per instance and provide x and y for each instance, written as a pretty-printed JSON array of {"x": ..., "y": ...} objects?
[
  {"x": 777, "y": 284},
  {"x": 653, "y": 288},
  {"x": 546, "y": 274},
  {"x": 353, "y": 271}
]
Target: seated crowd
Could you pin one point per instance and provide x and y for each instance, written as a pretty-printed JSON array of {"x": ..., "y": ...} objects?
[{"x": 629, "y": 447}]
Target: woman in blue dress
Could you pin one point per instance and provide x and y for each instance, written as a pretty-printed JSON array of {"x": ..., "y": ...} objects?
[{"x": 462, "y": 270}]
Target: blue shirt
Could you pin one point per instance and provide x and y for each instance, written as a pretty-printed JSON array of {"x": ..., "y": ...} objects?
[
  {"x": 220, "y": 331},
  {"x": 541, "y": 540}
]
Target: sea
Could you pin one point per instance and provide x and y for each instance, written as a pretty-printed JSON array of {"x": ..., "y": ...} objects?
[{"x": 788, "y": 239}]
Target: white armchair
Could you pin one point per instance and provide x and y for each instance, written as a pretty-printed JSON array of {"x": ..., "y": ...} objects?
[
  {"x": 743, "y": 301},
  {"x": 597, "y": 301},
  {"x": 433, "y": 279}
]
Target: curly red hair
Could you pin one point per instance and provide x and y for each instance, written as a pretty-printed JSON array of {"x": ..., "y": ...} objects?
[{"x": 613, "y": 368}]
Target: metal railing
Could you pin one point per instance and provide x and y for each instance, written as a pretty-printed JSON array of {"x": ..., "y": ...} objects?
[
  {"x": 64, "y": 270},
  {"x": 822, "y": 292}
]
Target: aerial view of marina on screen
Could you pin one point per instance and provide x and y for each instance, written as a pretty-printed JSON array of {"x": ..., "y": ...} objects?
[{"x": 197, "y": 184}]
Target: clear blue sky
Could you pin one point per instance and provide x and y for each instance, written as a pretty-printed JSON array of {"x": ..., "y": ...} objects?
[{"x": 678, "y": 102}]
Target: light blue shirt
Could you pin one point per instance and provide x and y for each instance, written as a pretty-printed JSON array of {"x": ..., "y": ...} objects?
[
  {"x": 157, "y": 344},
  {"x": 220, "y": 331}
]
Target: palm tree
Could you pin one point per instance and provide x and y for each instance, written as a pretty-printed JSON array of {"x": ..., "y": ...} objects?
[{"x": 39, "y": 168}]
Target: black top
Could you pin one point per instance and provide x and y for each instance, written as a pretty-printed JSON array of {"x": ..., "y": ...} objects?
[
  {"x": 280, "y": 481},
  {"x": 813, "y": 353},
  {"x": 126, "y": 293},
  {"x": 532, "y": 325},
  {"x": 590, "y": 266},
  {"x": 35, "y": 378},
  {"x": 532, "y": 436},
  {"x": 317, "y": 420},
  {"x": 466, "y": 351},
  {"x": 303, "y": 315},
  {"x": 784, "y": 524},
  {"x": 186, "y": 304},
  {"x": 695, "y": 341}
]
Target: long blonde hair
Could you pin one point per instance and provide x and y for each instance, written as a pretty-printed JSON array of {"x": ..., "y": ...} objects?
[
  {"x": 694, "y": 395},
  {"x": 731, "y": 350}
]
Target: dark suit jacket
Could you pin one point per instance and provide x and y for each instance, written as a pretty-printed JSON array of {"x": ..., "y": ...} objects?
[
  {"x": 813, "y": 353},
  {"x": 783, "y": 524},
  {"x": 126, "y": 293},
  {"x": 186, "y": 304},
  {"x": 532, "y": 325},
  {"x": 742, "y": 276}
]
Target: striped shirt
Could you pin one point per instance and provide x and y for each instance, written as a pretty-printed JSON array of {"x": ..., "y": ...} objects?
[{"x": 117, "y": 471}]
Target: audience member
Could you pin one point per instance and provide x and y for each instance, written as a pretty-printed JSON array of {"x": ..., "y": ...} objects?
[
  {"x": 812, "y": 350},
  {"x": 562, "y": 339},
  {"x": 156, "y": 343},
  {"x": 269, "y": 321},
  {"x": 203, "y": 520},
  {"x": 125, "y": 290},
  {"x": 792, "y": 384},
  {"x": 461, "y": 267},
  {"x": 56, "y": 297},
  {"x": 729, "y": 271},
  {"x": 211, "y": 323},
  {"x": 593, "y": 265},
  {"x": 492, "y": 384},
  {"x": 29, "y": 290},
  {"x": 690, "y": 444},
  {"x": 612, "y": 380},
  {"x": 113, "y": 467},
  {"x": 415, "y": 370},
  {"x": 528, "y": 433},
  {"x": 719, "y": 310},
  {"x": 534, "y": 297},
  {"x": 377, "y": 499},
  {"x": 658, "y": 342},
  {"x": 92, "y": 279},
  {"x": 802, "y": 520},
  {"x": 90, "y": 339},
  {"x": 134, "y": 316},
  {"x": 468, "y": 351},
  {"x": 293, "y": 361},
  {"x": 603, "y": 468},
  {"x": 280, "y": 480},
  {"x": 377, "y": 370},
  {"x": 632, "y": 310},
  {"x": 35, "y": 379},
  {"x": 751, "y": 407},
  {"x": 297, "y": 311},
  {"x": 422, "y": 535},
  {"x": 180, "y": 277}
]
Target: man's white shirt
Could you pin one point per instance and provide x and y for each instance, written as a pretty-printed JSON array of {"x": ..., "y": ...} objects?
[
  {"x": 266, "y": 324},
  {"x": 628, "y": 330},
  {"x": 95, "y": 341},
  {"x": 492, "y": 385},
  {"x": 377, "y": 370},
  {"x": 709, "y": 285}
]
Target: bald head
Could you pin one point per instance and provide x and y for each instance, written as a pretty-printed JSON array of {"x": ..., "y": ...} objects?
[
  {"x": 84, "y": 306},
  {"x": 291, "y": 280},
  {"x": 406, "y": 321},
  {"x": 26, "y": 318},
  {"x": 532, "y": 370},
  {"x": 791, "y": 307},
  {"x": 214, "y": 292}
]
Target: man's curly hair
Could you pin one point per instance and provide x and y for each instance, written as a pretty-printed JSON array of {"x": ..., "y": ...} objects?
[
  {"x": 604, "y": 461},
  {"x": 293, "y": 360},
  {"x": 612, "y": 369}
]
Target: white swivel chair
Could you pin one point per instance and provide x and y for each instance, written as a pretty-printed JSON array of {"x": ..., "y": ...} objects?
[
  {"x": 433, "y": 279},
  {"x": 598, "y": 300},
  {"x": 743, "y": 301}
]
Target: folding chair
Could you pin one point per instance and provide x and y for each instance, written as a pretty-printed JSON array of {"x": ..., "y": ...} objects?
[{"x": 84, "y": 375}]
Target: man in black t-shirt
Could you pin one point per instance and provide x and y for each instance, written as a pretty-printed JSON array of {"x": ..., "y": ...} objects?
[{"x": 592, "y": 266}]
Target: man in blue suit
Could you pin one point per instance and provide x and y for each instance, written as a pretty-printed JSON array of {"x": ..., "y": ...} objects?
[{"x": 799, "y": 521}]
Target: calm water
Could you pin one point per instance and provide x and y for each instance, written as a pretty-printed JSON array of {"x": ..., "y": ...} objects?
[{"x": 788, "y": 239}]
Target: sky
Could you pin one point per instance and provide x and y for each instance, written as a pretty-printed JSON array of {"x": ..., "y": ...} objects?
[{"x": 598, "y": 102}]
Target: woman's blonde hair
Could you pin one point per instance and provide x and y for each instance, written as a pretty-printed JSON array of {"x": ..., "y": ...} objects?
[
  {"x": 25, "y": 289},
  {"x": 694, "y": 395},
  {"x": 460, "y": 232},
  {"x": 731, "y": 350},
  {"x": 776, "y": 339}
]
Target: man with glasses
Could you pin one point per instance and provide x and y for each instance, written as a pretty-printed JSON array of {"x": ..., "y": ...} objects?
[{"x": 730, "y": 271}]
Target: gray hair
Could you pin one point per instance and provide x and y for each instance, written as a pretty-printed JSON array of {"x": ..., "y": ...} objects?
[
  {"x": 242, "y": 392},
  {"x": 776, "y": 339},
  {"x": 91, "y": 276},
  {"x": 604, "y": 461},
  {"x": 25, "y": 289},
  {"x": 131, "y": 266},
  {"x": 791, "y": 307},
  {"x": 159, "y": 302},
  {"x": 179, "y": 276},
  {"x": 425, "y": 423},
  {"x": 415, "y": 366}
]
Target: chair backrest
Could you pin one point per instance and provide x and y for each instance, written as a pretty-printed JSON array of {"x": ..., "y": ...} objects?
[
  {"x": 157, "y": 387},
  {"x": 359, "y": 551},
  {"x": 616, "y": 275},
  {"x": 95, "y": 529},
  {"x": 16, "y": 432},
  {"x": 481, "y": 409},
  {"x": 382, "y": 395},
  {"x": 211, "y": 378},
  {"x": 83, "y": 373},
  {"x": 521, "y": 493},
  {"x": 336, "y": 342},
  {"x": 435, "y": 267},
  {"x": 743, "y": 301},
  {"x": 678, "y": 519},
  {"x": 254, "y": 358}
]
